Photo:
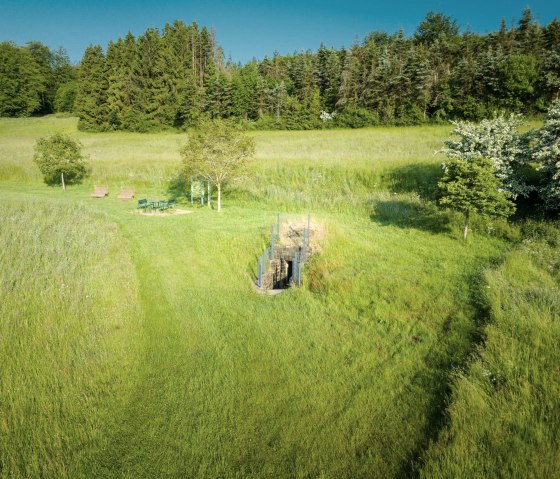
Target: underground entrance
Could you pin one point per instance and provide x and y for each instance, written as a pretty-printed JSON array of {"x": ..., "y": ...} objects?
[{"x": 280, "y": 265}]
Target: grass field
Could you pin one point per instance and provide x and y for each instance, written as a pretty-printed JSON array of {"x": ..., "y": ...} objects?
[{"x": 134, "y": 346}]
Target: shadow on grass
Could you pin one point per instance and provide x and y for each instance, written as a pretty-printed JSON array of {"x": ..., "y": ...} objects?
[
  {"x": 179, "y": 187},
  {"x": 419, "y": 178},
  {"x": 410, "y": 214}
]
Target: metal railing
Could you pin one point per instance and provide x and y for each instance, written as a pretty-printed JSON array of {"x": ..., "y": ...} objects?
[{"x": 297, "y": 260}]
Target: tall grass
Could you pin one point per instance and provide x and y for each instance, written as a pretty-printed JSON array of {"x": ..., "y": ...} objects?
[
  {"x": 69, "y": 317},
  {"x": 504, "y": 415},
  {"x": 152, "y": 159}
]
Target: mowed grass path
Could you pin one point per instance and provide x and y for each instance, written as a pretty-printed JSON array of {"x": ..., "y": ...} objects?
[{"x": 346, "y": 377}]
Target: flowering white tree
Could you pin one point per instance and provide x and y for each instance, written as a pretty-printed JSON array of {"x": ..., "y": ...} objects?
[
  {"x": 497, "y": 140},
  {"x": 546, "y": 151},
  {"x": 326, "y": 116}
]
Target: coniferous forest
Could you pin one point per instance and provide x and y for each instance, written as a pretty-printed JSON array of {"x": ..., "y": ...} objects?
[{"x": 174, "y": 77}]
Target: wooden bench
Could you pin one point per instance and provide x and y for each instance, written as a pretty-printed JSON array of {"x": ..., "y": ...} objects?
[
  {"x": 127, "y": 193},
  {"x": 100, "y": 191}
]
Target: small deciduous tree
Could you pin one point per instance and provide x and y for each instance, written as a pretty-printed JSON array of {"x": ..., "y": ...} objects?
[
  {"x": 60, "y": 159},
  {"x": 471, "y": 186},
  {"x": 217, "y": 151}
]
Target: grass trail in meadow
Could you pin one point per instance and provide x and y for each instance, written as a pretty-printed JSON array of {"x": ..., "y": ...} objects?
[{"x": 323, "y": 380}]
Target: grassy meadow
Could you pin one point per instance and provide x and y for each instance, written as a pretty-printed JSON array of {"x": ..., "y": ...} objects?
[{"x": 135, "y": 346}]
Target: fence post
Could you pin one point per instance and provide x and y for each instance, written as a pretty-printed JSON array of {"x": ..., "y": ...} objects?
[
  {"x": 209, "y": 195},
  {"x": 272, "y": 242},
  {"x": 278, "y": 225},
  {"x": 259, "y": 277}
]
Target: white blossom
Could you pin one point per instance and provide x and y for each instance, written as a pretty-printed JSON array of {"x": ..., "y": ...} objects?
[
  {"x": 499, "y": 141},
  {"x": 325, "y": 116}
]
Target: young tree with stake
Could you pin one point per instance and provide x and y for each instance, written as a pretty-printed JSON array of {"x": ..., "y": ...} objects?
[
  {"x": 217, "y": 152},
  {"x": 60, "y": 159}
]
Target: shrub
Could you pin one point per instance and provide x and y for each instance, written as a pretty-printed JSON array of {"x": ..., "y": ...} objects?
[{"x": 354, "y": 117}]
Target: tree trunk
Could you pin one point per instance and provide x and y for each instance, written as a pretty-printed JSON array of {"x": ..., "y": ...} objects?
[
  {"x": 209, "y": 195},
  {"x": 219, "y": 186},
  {"x": 466, "y": 228},
  {"x": 63, "y": 184}
]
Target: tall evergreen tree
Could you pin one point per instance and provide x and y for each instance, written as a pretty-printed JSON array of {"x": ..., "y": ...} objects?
[
  {"x": 121, "y": 56},
  {"x": 91, "y": 98},
  {"x": 44, "y": 60},
  {"x": 154, "y": 94}
]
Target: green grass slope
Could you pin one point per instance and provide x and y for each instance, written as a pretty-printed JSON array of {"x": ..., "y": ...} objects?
[
  {"x": 347, "y": 377},
  {"x": 504, "y": 416}
]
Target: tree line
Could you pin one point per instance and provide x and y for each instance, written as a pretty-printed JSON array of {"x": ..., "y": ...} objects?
[{"x": 178, "y": 76}]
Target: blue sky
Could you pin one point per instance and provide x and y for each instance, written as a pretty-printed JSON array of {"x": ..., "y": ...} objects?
[{"x": 246, "y": 29}]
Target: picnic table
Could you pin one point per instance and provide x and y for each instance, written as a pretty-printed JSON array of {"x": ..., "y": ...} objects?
[{"x": 156, "y": 205}]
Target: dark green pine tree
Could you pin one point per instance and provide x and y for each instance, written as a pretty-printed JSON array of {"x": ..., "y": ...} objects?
[
  {"x": 504, "y": 39},
  {"x": 43, "y": 58},
  {"x": 154, "y": 95},
  {"x": 291, "y": 114},
  {"x": 551, "y": 35},
  {"x": 528, "y": 34},
  {"x": 263, "y": 103},
  {"x": 244, "y": 91},
  {"x": 279, "y": 97},
  {"x": 206, "y": 53},
  {"x": 64, "y": 79},
  {"x": 91, "y": 97},
  {"x": 550, "y": 77},
  {"x": 219, "y": 96},
  {"x": 350, "y": 78},
  {"x": 419, "y": 79},
  {"x": 302, "y": 75},
  {"x": 331, "y": 80},
  {"x": 120, "y": 59},
  {"x": 182, "y": 41},
  {"x": 310, "y": 112}
]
